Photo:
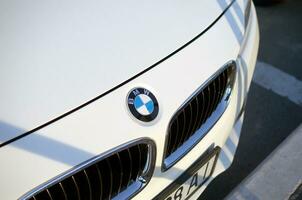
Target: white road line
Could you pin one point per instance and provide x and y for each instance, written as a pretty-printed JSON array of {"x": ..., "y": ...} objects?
[
  {"x": 277, "y": 176},
  {"x": 278, "y": 81}
]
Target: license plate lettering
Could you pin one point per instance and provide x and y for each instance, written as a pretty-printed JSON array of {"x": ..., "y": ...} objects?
[{"x": 193, "y": 182}]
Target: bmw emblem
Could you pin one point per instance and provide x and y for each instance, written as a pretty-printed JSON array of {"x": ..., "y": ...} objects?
[{"x": 142, "y": 104}]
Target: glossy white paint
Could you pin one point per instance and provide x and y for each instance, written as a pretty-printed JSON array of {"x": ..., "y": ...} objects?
[
  {"x": 106, "y": 123},
  {"x": 246, "y": 61},
  {"x": 58, "y": 55}
]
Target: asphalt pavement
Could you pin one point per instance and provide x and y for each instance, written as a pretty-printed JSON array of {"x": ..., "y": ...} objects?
[
  {"x": 278, "y": 176},
  {"x": 271, "y": 116}
]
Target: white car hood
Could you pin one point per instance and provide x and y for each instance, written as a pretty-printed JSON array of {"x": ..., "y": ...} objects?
[{"x": 58, "y": 55}]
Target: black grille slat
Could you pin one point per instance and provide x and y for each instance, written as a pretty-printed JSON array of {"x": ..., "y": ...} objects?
[
  {"x": 178, "y": 134},
  {"x": 43, "y": 195},
  {"x": 106, "y": 178},
  {"x": 217, "y": 91},
  {"x": 70, "y": 189},
  {"x": 125, "y": 159},
  {"x": 94, "y": 182},
  {"x": 225, "y": 80},
  {"x": 200, "y": 111},
  {"x": 207, "y": 99},
  {"x": 88, "y": 185},
  {"x": 63, "y": 191},
  {"x": 190, "y": 122},
  {"x": 116, "y": 174},
  {"x": 223, "y": 85},
  {"x": 82, "y": 183},
  {"x": 121, "y": 172},
  {"x": 49, "y": 195},
  {"x": 99, "y": 175},
  {"x": 77, "y": 187},
  {"x": 111, "y": 178},
  {"x": 168, "y": 150},
  {"x": 139, "y": 160},
  {"x": 174, "y": 135},
  {"x": 195, "y": 107},
  {"x": 181, "y": 125},
  {"x": 56, "y": 192},
  {"x": 215, "y": 96},
  {"x": 136, "y": 167},
  {"x": 143, "y": 151},
  {"x": 192, "y": 119},
  {"x": 212, "y": 100},
  {"x": 130, "y": 167}
]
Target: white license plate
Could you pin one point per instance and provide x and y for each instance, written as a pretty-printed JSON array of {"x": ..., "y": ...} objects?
[{"x": 192, "y": 179}]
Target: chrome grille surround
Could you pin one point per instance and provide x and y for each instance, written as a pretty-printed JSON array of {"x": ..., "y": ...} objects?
[
  {"x": 194, "y": 119},
  {"x": 125, "y": 188}
]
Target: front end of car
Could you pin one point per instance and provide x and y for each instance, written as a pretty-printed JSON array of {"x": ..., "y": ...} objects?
[{"x": 109, "y": 150}]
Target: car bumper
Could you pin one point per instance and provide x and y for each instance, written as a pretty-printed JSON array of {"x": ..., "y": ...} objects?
[{"x": 106, "y": 123}]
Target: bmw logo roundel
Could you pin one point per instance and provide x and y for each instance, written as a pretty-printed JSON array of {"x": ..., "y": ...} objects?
[{"x": 142, "y": 104}]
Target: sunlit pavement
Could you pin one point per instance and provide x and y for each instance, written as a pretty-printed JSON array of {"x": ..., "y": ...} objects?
[{"x": 273, "y": 110}]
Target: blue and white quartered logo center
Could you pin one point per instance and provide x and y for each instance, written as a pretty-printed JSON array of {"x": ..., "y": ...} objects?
[{"x": 143, "y": 104}]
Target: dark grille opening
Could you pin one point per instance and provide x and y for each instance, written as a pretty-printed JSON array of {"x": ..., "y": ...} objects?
[
  {"x": 120, "y": 175},
  {"x": 197, "y": 116}
]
